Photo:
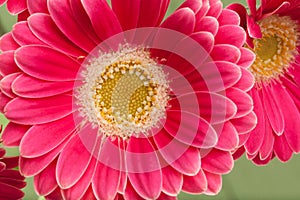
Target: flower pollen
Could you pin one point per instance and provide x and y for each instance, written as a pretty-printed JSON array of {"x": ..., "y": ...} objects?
[
  {"x": 277, "y": 48},
  {"x": 129, "y": 94}
]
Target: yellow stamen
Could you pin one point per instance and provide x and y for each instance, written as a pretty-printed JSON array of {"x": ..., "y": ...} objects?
[{"x": 277, "y": 48}]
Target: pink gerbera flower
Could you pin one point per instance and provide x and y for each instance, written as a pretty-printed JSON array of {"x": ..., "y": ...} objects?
[
  {"x": 273, "y": 35},
  {"x": 116, "y": 103},
  {"x": 11, "y": 181}
]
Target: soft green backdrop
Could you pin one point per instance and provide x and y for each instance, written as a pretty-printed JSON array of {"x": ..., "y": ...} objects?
[{"x": 276, "y": 181}]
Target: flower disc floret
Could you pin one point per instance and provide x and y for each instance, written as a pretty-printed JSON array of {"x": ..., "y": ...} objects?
[{"x": 129, "y": 91}]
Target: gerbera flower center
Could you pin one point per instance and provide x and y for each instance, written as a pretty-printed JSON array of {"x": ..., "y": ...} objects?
[
  {"x": 277, "y": 48},
  {"x": 127, "y": 93}
]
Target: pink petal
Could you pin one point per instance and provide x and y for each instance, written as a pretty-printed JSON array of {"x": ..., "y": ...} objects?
[
  {"x": 245, "y": 124},
  {"x": 35, "y": 6},
  {"x": 246, "y": 82},
  {"x": 242, "y": 100},
  {"x": 16, "y": 6},
  {"x": 89, "y": 194},
  {"x": 228, "y": 138},
  {"x": 292, "y": 88},
  {"x": 182, "y": 20},
  {"x": 229, "y": 17},
  {"x": 296, "y": 74},
  {"x": 215, "y": 9},
  {"x": 222, "y": 74},
  {"x": 62, "y": 15},
  {"x": 247, "y": 58},
  {"x": 243, "y": 138},
  {"x": 252, "y": 6},
  {"x": 273, "y": 109},
  {"x": 241, "y": 11},
  {"x": 192, "y": 4},
  {"x": 34, "y": 166},
  {"x": 36, "y": 88},
  {"x": 207, "y": 24},
  {"x": 106, "y": 181},
  {"x": 195, "y": 184},
  {"x": 67, "y": 173},
  {"x": 2, "y": 152},
  {"x": 56, "y": 194},
  {"x": 123, "y": 181},
  {"x": 13, "y": 133},
  {"x": 257, "y": 135},
  {"x": 196, "y": 56},
  {"x": 45, "y": 182},
  {"x": 172, "y": 181},
  {"x": 213, "y": 77},
  {"x": 46, "y": 30},
  {"x": 11, "y": 173},
  {"x": 163, "y": 10},
  {"x": 8, "y": 43},
  {"x": 188, "y": 163},
  {"x": 253, "y": 28},
  {"x": 164, "y": 196},
  {"x": 268, "y": 142},
  {"x": 291, "y": 118},
  {"x": 13, "y": 182},
  {"x": 183, "y": 158},
  {"x": 41, "y": 139},
  {"x": 211, "y": 104},
  {"x": 214, "y": 183},
  {"x": 217, "y": 162},
  {"x": 203, "y": 10},
  {"x": 56, "y": 65},
  {"x": 4, "y": 100},
  {"x": 23, "y": 15},
  {"x": 143, "y": 168},
  {"x": 80, "y": 188},
  {"x": 23, "y": 35},
  {"x": 205, "y": 39},
  {"x": 39, "y": 111},
  {"x": 9, "y": 192},
  {"x": 100, "y": 9},
  {"x": 83, "y": 20},
  {"x": 10, "y": 161},
  {"x": 150, "y": 12},
  {"x": 106, "y": 186},
  {"x": 225, "y": 52},
  {"x": 260, "y": 162},
  {"x": 282, "y": 149},
  {"x": 231, "y": 34},
  {"x": 7, "y": 64},
  {"x": 127, "y": 13},
  {"x": 2, "y": 2},
  {"x": 238, "y": 153},
  {"x": 130, "y": 193},
  {"x": 2, "y": 166},
  {"x": 5, "y": 84},
  {"x": 192, "y": 130}
]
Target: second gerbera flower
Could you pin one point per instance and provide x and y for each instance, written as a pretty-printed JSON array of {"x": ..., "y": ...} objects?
[{"x": 273, "y": 34}]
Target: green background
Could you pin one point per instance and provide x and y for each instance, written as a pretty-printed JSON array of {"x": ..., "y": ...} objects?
[{"x": 277, "y": 181}]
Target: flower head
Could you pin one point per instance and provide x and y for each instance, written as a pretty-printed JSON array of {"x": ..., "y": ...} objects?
[
  {"x": 273, "y": 35},
  {"x": 114, "y": 102}
]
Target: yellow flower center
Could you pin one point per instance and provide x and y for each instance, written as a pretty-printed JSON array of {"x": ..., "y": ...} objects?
[
  {"x": 129, "y": 92},
  {"x": 277, "y": 48}
]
